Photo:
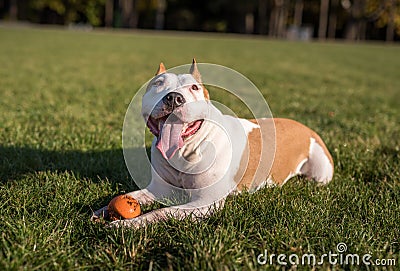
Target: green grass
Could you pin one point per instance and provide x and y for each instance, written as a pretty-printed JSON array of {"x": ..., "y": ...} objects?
[{"x": 63, "y": 97}]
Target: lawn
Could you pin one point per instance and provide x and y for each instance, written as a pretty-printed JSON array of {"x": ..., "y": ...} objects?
[{"x": 63, "y": 97}]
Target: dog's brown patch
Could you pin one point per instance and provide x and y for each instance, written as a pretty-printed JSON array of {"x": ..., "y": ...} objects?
[
  {"x": 292, "y": 141},
  {"x": 257, "y": 158}
]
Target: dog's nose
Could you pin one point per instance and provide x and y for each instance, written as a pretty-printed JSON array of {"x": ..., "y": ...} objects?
[{"x": 174, "y": 99}]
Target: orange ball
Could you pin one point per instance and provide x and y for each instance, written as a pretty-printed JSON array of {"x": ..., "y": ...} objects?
[{"x": 123, "y": 207}]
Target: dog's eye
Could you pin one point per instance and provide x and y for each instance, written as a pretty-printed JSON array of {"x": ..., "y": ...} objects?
[
  {"x": 157, "y": 83},
  {"x": 195, "y": 87}
]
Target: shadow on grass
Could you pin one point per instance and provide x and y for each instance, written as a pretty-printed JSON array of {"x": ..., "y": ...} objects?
[
  {"x": 389, "y": 153},
  {"x": 94, "y": 165},
  {"x": 380, "y": 166}
]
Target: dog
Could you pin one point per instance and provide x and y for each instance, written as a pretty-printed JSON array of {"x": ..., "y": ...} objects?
[{"x": 198, "y": 149}]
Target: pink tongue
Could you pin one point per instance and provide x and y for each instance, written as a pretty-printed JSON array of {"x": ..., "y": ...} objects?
[{"x": 170, "y": 139}]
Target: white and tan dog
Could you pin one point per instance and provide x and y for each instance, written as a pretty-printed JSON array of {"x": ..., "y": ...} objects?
[{"x": 199, "y": 150}]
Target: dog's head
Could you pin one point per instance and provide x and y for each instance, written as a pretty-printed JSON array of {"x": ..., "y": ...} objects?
[{"x": 174, "y": 107}]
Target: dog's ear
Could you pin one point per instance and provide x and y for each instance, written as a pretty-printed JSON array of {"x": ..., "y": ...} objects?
[
  {"x": 161, "y": 69},
  {"x": 195, "y": 72}
]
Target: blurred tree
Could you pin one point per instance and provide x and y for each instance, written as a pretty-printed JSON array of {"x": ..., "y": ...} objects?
[
  {"x": 129, "y": 13},
  {"x": 13, "y": 10},
  {"x": 69, "y": 11},
  {"x": 278, "y": 18},
  {"x": 160, "y": 14},
  {"x": 333, "y": 13},
  {"x": 391, "y": 21},
  {"x": 385, "y": 14},
  {"x": 298, "y": 13},
  {"x": 93, "y": 11},
  {"x": 109, "y": 13},
  {"x": 262, "y": 16},
  {"x": 323, "y": 19},
  {"x": 356, "y": 23},
  {"x": 351, "y": 19}
]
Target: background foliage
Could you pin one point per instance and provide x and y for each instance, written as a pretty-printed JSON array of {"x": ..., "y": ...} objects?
[{"x": 349, "y": 19}]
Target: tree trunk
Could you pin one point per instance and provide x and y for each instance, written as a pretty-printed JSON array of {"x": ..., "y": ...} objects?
[
  {"x": 262, "y": 16},
  {"x": 355, "y": 29},
  {"x": 390, "y": 25},
  {"x": 109, "y": 13},
  {"x": 323, "y": 19},
  {"x": 351, "y": 29},
  {"x": 161, "y": 7},
  {"x": 249, "y": 23},
  {"x": 13, "y": 10},
  {"x": 333, "y": 19},
  {"x": 282, "y": 19},
  {"x": 273, "y": 21},
  {"x": 362, "y": 29},
  {"x": 129, "y": 14},
  {"x": 298, "y": 13}
]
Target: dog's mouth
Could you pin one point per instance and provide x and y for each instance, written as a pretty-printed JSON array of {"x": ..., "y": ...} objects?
[{"x": 171, "y": 132}]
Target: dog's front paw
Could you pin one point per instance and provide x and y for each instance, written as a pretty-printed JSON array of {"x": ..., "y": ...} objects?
[
  {"x": 134, "y": 223},
  {"x": 99, "y": 214}
]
